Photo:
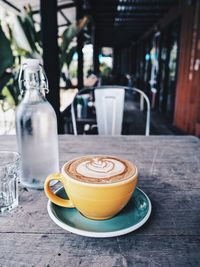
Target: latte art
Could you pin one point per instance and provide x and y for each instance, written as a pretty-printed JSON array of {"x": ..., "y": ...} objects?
[
  {"x": 100, "y": 165},
  {"x": 100, "y": 169}
]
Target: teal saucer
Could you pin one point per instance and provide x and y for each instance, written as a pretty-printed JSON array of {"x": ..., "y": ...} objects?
[{"x": 132, "y": 217}]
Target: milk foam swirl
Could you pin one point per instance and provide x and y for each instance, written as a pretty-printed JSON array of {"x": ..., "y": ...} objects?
[{"x": 100, "y": 169}]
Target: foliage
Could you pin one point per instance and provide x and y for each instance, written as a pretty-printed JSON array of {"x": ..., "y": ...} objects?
[
  {"x": 106, "y": 74},
  {"x": 6, "y": 61},
  {"x": 6, "y": 58},
  {"x": 68, "y": 35},
  {"x": 24, "y": 36},
  {"x": 25, "y": 41}
]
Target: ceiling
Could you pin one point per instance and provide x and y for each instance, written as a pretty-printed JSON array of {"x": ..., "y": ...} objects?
[{"x": 118, "y": 22}]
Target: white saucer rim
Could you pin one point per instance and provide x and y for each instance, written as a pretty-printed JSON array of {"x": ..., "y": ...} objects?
[{"x": 100, "y": 234}]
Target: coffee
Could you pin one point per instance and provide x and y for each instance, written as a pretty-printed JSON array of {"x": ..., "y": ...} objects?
[
  {"x": 100, "y": 169},
  {"x": 97, "y": 186}
]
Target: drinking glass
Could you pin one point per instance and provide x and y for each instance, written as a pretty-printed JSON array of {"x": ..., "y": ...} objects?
[{"x": 9, "y": 175}]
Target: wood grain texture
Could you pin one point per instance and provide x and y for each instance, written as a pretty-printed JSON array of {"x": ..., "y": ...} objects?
[{"x": 169, "y": 172}]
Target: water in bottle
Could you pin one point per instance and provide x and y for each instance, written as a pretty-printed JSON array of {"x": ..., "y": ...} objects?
[{"x": 36, "y": 126}]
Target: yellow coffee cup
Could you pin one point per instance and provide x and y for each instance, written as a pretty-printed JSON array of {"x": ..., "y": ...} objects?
[{"x": 95, "y": 200}]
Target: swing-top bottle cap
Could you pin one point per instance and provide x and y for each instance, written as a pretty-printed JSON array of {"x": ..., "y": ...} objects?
[
  {"x": 32, "y": 64},
  {"x": 32, "y": 75}
]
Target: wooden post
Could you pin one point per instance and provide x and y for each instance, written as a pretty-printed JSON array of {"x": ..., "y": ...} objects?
[
  {"x": 95, "y": 53},
  {"x": 166, "y": 77},
  {"x": 117, "y": 60},
  {"x": 187, "y": 106},
  {"x": 48, "y": 11},
  {"x": 80, "y": 43},
  {"x": 159, "y": 76}
]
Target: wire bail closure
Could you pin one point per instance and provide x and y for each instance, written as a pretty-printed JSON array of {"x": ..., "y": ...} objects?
[{"x": 43, "y": 82}]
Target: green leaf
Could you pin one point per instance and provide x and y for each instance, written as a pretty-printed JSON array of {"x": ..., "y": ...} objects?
[
  {"x": 29, "y": 31},
  {"x": 9, "y": 99},
  {"x": 70, "y": 55},
  {"x": 14, "y": 92},
  {"x": 68, "y": 35},
  {"x": 25, "y": 36},
  {"x": 72, "y": 31},
  {"x": 4, "y": 79},
  {"x": 6, "y": 57}
]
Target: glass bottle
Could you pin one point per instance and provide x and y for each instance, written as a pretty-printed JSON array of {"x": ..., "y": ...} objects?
[{"x": 36, "y": 127}]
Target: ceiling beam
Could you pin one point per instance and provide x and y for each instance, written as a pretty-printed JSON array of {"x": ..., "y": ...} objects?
[
  {"x": 131, "y": 7},
  {"x": 124, "y": 19},
  {"x": 127, "y": 15},
  {"x": 138, "y": 3},
  {"x": 171, "y": 15},
  {"x": 65, "y": 17},
  {"x": 67, "y": 5},
  {"x": 60, "y": 7},
  {"x": 11, "y": 5},
  {"x": 63, "y": 25},
  {"x": 108, "y": 28}
]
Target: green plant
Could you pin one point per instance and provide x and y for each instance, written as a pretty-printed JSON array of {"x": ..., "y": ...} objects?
[
  {"x": 32, "y": 44},
  {"x": 66, "y": 53},
  {"x": 25, "y": 41},
  {"x": 24, "y": 36},
  {"x": 6, "y": 59},
  {"x": 6, "y": 62}
]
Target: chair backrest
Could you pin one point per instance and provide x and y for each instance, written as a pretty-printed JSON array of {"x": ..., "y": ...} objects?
[{"x": 109, "y": 103}]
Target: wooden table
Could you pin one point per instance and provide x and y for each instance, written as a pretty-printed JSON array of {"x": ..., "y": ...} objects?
[{"x": 169, "y": 169}]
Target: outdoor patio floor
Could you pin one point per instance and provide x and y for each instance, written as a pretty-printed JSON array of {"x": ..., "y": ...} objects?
[{"x": 159, "y": 125}]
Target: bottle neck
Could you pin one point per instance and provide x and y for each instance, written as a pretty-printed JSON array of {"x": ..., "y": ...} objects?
[{"x": 33, "y": 93}]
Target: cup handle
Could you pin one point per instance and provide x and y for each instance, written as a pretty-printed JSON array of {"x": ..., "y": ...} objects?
[{"x": 50, "y": 194}]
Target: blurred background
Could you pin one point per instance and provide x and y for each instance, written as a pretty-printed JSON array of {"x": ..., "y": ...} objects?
[{"x": 149, "y": 44}]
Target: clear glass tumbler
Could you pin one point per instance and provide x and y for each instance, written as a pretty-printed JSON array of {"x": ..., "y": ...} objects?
[{"x": 9, "y": 176}]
